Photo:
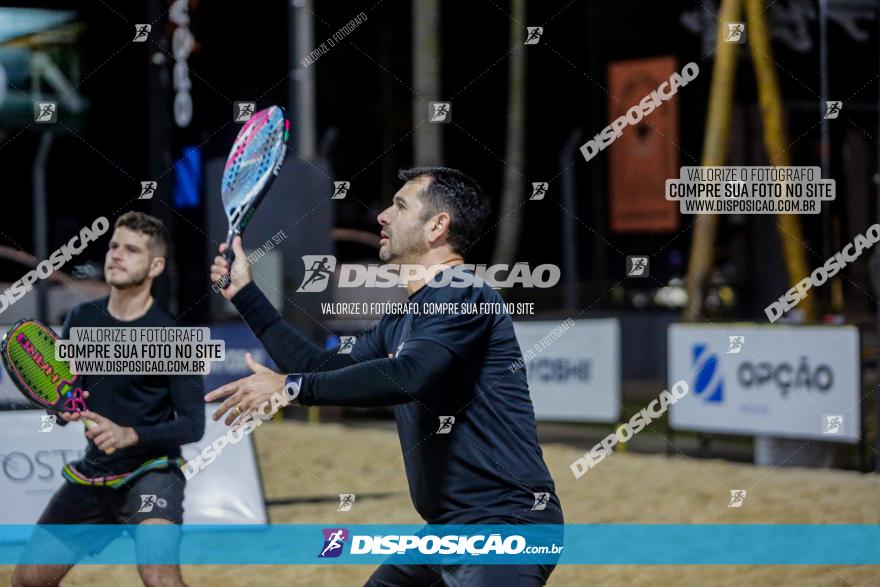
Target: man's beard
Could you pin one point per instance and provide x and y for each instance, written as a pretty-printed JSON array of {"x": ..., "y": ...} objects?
[
  {"x": 132, "y": 281},
  {"x": 408, "y": 250}
]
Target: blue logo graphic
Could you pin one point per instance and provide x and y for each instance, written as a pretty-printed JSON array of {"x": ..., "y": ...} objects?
[
  {"x": 708, "y": 382},
  {"x": 334, "y": 540}
]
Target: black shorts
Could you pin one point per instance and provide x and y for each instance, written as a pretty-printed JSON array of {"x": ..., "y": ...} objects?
[
  {"x": 471, "y": 575},
  {"x": 156, "y": 494},
  {"x": 389, "y": 575}
]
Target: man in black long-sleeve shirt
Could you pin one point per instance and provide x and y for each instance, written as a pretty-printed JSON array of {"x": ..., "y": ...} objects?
[
  {"x": 130, "y": 473},
  {"x": 464, "y": 417}
]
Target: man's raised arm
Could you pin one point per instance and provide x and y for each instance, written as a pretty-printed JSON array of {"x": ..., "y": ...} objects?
[{"x": 290, "y": 350}]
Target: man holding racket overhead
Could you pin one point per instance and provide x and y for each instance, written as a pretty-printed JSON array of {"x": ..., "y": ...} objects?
[
  {"x": 486, "y": 466},
  {"x": 130, "y": 473}
]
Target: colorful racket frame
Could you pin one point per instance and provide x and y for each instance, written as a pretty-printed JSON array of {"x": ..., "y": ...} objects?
[
  {"x": 28, "y": 354},
  {"x": 253, "y": 164}
]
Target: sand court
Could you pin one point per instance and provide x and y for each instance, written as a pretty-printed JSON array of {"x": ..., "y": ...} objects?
[{"x": 312, "y": 464}]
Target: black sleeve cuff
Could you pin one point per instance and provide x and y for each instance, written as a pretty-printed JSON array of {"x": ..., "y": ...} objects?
[
  {"x": 305, "y": 397},
  {"x": 255, "y": 308},
  {"x": 146, "y": 436}
]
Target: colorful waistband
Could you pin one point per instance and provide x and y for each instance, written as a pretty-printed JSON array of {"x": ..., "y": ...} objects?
[{"x": 72, "y": 475}]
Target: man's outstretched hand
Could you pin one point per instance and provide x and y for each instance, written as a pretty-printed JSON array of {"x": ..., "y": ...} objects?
[{"x": 244, "y": 396}]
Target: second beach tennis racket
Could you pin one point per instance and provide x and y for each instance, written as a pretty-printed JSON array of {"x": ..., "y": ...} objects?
[
  {"x": 28, "y": 354},
  {"x": 252, "y": 166}
]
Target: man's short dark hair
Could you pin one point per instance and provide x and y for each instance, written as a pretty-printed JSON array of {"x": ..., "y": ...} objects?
[
  {"x": 458, "y": 195},
  {"x": 150, "y": 226}
]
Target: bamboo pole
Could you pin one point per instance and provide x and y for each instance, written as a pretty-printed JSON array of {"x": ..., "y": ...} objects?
[
  {"x": 776, "y": 143},
  {"x": 715, "y": 147}
]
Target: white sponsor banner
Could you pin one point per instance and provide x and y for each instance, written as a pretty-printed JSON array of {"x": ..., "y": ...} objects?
[
  {"x": 575, "y": 377},
  {"x": 781, "y": 381},
  {"x": 9, "y": 394},
  {"x": 227, "y": 492}
]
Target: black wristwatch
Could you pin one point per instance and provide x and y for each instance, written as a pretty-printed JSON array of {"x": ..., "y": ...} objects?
[{"x": 292, "y": 384}]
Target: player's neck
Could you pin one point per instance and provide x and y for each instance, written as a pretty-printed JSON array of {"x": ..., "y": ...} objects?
[
  {"x": 130, "y": 303},
  {"x": 433, "y": 265}
]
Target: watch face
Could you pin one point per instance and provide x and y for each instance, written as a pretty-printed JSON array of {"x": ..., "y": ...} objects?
[{"x": 291, "y": 386}]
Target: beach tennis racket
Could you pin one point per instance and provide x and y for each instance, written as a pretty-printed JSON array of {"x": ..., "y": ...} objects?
[
  {"x": 28, "y": 353},
  {"x": 252, "y": 166}
]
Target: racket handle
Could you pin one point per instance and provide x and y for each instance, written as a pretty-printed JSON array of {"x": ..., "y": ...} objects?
[
  {"x": 229, "y": 255},
  {"x": 89, "y": 424}
]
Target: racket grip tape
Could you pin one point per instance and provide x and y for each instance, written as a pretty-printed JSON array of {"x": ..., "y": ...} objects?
[
  {"x": 229, "y": 255},
  {"x": 89, "y": 424}
]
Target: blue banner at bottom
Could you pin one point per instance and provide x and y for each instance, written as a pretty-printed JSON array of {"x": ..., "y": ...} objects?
[{"x": 573, "y": 544}]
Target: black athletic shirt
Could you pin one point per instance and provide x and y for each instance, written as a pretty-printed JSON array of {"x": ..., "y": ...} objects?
[
  {"x": 489, "y": 466},
  {"x": 165, "y": 411}
]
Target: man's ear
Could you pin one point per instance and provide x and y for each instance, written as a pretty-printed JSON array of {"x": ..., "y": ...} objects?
[
  {"x": 157, "y": 266},
  {"x": 438, "y": 226}
]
